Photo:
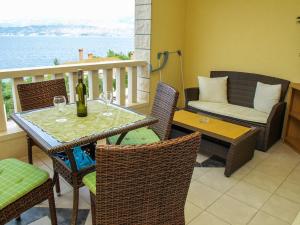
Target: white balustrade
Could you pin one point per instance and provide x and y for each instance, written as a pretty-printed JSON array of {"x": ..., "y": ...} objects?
[
  {"x": 38, "y": 78},
  {"x": 134, "y": 68},
  {"x": 107, "y": 80},
  {"x": 58, "y": 76},
  {"x": 15, "y": 82},
  {"x": 2, "y": 111},
  {"x": 93, "y": 79},
  {"x": 132, "y": 84},
  {"x": 120, "y": 86},
  {"x": 73, "y": 77}
]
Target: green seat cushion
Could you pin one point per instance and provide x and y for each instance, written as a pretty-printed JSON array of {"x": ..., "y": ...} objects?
[
  {"x": 18, "y": 179},
  {"x": 89, "y": 181},
  {"x": 137, "y": 137}
]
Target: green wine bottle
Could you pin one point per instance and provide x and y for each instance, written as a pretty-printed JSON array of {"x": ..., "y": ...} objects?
[{"x": 81, "y": 96}]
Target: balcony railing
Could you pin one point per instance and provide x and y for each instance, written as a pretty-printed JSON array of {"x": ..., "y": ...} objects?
[{"x": 108, "y": 70}]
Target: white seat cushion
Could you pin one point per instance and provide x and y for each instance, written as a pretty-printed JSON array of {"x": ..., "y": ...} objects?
[{"x": 230, "y": 110}]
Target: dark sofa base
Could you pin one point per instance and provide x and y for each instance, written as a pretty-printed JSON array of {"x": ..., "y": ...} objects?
[{"x": 261, "y": 144}]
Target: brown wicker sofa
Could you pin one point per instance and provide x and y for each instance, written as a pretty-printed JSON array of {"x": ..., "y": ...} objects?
[{"x": 241, "y": 91}]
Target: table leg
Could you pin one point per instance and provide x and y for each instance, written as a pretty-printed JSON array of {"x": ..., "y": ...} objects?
[
  {"x": 75, "y": 205},
  {"x": 52, "y": 209},
  {"x": 57, "y": 183},
  {"x": 29, "y": 149}
]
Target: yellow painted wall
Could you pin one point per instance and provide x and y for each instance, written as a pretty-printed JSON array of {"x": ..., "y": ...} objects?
[
  {"x": 168, "y": 18},
  {"x": 259, "y": 36}
]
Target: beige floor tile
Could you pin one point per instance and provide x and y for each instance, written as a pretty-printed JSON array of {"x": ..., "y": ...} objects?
[
  {"x": 263, "y": 181},
  {"x": 262, "y": 218},
  {"x": 199, "y": 172},
  {"x": 249, "y": 194},
  {"x": 275, "y": 168},
  {"x": 202, "y": 157},
  {"x": 281, "y": 208},
  {"x": 258, "y": 157},
  {"x": 191, "y": 211},
  {"x": 290, "y": 191},
  {"x": 215, "y": 178},
  {"x": 202, "y": 195},
  {"x": 207, "y": 219},
  {"x": 66, "y": 201},
  {"x": 232, "y": 211},
  {"x": 242, "y": 172},
  {"x": 89, "y": 219},
  {"x": 294, "y": 176},
  {"x": 85, "y": 194}
]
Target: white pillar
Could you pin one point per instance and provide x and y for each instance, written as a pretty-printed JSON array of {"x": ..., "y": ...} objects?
[
  {"x": 132, "y": 84},
  {"x": 3, "y": 119},
  {"x": 38, "y": 78},
  {"x": 73, "y": 79},
  {"x": 107, "y": 80},
  {"x": 120, "y": 86},
  {"x": 93, "y": 79},
  {"x": 15, "y": 82}
]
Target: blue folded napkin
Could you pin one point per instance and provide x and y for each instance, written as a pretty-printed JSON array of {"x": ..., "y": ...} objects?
[{"x": 82, "y": 159}]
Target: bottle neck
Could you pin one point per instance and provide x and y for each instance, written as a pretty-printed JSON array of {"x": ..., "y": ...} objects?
[{"x": 79, "y": 78}]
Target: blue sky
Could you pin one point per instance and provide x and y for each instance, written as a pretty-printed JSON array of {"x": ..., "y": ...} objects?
[{"x": 100, "y": 13}]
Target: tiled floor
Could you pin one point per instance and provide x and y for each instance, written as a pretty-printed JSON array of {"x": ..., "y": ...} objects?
[{"x": 266, "y": 191}]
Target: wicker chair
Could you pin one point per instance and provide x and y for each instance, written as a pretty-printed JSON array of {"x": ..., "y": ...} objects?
[
  {"x": 38, "y": 95},
  {"x": 142, "y": 184},
  {"x": 23, "y": 186},
  {"x": 163, "y": 109}
]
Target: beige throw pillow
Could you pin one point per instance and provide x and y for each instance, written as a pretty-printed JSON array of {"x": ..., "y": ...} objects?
[
  {"x": 266, "y": 96},
  {"x": 213, "y": 89}
]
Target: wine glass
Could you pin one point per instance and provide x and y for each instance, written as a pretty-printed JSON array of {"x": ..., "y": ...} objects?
[
  {"x": 59, "y": 103},
  {"x": 107, "y": 97}
]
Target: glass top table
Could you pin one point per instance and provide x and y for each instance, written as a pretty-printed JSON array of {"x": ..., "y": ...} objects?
[{"x": 56, "y": 131}]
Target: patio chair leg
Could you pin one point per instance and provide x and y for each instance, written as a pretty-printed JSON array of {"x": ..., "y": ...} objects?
[
  {"x": 93, "y": 208},
  {"x": 75, "y": 205},
  {"x": 52, "y": 209},
  {"x": 57, "y": 184},
  {"x": 29, "y": 150}
]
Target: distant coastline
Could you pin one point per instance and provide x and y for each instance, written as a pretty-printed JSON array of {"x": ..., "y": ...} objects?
[{"x": 66, "y": 30}]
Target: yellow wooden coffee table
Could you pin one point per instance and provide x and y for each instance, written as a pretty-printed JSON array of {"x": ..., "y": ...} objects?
[{"x": 233, "y": 142}]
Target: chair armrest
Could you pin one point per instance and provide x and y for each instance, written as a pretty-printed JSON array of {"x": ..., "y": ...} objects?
[
  {"x": 191, "y": 94},
  {"x": 274, "y": 124},
  {"x": 277, "y": 112}
]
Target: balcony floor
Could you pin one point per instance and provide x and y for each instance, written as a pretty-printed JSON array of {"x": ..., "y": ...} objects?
[{"x": 264, "y": 191}]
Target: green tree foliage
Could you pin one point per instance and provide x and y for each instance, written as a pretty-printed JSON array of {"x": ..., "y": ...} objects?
[
  {"x": 119, "y": 55},
  {"x": 7, "y": 97}
]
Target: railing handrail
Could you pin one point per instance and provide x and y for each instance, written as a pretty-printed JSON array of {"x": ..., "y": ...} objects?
[{"x": 67, "y": 68}]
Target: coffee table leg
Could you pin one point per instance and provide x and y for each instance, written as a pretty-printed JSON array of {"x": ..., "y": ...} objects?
[{"x": 240, "y": 152}]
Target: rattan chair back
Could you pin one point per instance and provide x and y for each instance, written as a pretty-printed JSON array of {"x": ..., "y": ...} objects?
[
  {"x": 146, "y": 184},
  {"x": 163, "y": 109},
  {"x": 40, "y": 94}
]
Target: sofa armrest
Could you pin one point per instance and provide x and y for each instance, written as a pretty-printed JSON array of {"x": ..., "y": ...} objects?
[
  {"x": 275, "y": 123},
  {"x": 191, "y": 94}
]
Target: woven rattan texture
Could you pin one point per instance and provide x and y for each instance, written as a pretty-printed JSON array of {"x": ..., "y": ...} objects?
[
  {"x": 146, "y": 184},
  {"x": 40, "y": 94},
  {"x": 36, "y": 196},
  {"x": 163, "y": 109}
]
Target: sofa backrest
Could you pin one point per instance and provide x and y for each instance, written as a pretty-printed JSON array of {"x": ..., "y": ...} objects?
[{"x": 242, "y": 86}]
